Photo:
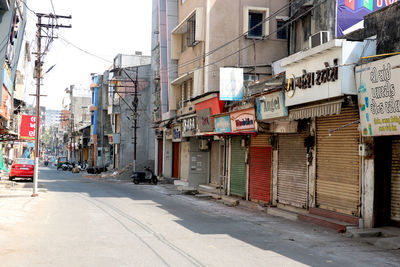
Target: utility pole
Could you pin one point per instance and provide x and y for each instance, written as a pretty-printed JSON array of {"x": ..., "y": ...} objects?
[
  {"x": 135, "y": 117},
  {"x": 38, "y": 68}
]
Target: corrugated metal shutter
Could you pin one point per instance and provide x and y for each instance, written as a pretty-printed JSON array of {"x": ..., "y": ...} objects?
[
  {"x": 238, "y": 168},
  {"x": 260, "y": 169},
  {"x": 338, "y": 163},
  {"x": 214, "y": 177},
  {"x": 395, "y": 183},
  {"x": 292, "y": 170}
]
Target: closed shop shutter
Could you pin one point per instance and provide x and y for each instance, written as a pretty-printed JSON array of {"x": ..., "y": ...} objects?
[
  {"x": 292, "y": 170},
  {"x": 395, "y": 181},
  {"x": 338, "y": 163},
  {"x": 260, "y": 168},
  {"x": 238, "y": 168}
]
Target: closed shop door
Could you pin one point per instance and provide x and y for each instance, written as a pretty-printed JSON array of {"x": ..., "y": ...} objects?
[
  {"x": 338, "y": 163},
  {"x": 160, "y": 156},
  {"x": 292, "y": 170},
  {"x": 214, "y": 178},
  {"x": 175, "y": 163},
  {"x": 395, "y": 181},
  {"x": 260, "y": 169},
  {"x": 238, "y": 168}
]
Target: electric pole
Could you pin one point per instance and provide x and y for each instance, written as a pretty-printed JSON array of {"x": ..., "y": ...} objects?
[
  {"x": 135, "y": 117},
  {"x": 38, "y": 72}
]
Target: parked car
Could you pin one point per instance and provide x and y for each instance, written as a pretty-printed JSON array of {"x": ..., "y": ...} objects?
[{"x": 23, "y": 168}]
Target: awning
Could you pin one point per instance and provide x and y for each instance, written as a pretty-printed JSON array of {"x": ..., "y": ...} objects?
[
  {"x": 325, "y": 109},
  {"x": 6, "y": 135}
]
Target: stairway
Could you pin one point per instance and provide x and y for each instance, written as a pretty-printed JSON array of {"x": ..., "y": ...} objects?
[{"x": 334, "y": 220}]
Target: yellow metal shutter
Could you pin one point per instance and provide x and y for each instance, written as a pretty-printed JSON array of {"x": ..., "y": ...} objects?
[
  {"x": 395, "y": 181},
  {"x": 338, "y": 163},
  {"x": 292, "y": 170}
]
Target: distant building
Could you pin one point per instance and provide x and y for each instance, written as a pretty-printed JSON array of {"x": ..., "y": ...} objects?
[{"x": 53, "y": 117}]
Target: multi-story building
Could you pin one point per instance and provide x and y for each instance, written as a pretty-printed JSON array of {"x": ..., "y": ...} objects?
[
  {"x": 207, "y": 41},
  {"x": 130, "y": 71},
  {"x": 12, "y": 27},
  {"x": 53, "y": 117}
]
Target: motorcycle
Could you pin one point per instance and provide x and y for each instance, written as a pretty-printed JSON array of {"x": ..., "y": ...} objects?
[
  {"x": 146, "y": 176},
  {"x": 83, "y": 166},
  {"x": 46, "y": 163}
]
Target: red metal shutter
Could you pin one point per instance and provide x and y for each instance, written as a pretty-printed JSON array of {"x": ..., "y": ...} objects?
[
  {"x": 260, "y": 169},
  {"x": 175, "y": 166}
]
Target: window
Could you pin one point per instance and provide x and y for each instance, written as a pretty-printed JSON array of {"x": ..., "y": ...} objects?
[
  {"x": 254, "y": 24},
  {"x": 186, "y": 89},
  {"x": 255, "y": 18},
  {"x": 281, "y": 29},
  {"x": 191, "y": 31}
]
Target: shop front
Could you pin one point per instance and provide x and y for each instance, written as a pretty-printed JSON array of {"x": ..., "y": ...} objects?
[
  {"x": 320, "y": 96},
  {"x": 243, "y": 126},
  {"x": 378, "y": 86},
  {"x": 176, "y": 147}
]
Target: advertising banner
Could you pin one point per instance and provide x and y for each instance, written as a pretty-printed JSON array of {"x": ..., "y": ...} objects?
[
  {"x": 28, "y": 127},
  {"x": 378, "y": 86},
  {"x": 222, "y": 124},
  {"x": 351, "y": 12},
  {"x": 231, "y": 84},
  {"x": 271, "y": 106}
]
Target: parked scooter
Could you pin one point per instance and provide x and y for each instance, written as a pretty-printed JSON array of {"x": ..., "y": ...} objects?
[
  {"x": 83, "y": 166},
  {"x": 146, "y": 176},
  {"x": 64, "y": 166}
]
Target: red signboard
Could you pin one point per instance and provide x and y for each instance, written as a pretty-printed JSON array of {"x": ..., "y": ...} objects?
[{"x": 28, "y": 126}]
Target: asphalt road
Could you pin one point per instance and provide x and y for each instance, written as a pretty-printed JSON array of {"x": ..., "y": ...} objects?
[{"x": 84, "y": 222}]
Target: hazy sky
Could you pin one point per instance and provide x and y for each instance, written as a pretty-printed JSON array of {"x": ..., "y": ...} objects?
[{"x": 104, "y": 28}]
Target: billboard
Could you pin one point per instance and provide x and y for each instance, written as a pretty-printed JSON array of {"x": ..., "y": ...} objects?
[
  {"x": 231, "y": 84},
  {"x": 351, "y": 12},
  {"x": 28, "y": 127},
  {"x": 378, "y": 86}
]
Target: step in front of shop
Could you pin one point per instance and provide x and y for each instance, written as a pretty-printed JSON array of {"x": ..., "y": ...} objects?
[{"x": 337, "y": 221}]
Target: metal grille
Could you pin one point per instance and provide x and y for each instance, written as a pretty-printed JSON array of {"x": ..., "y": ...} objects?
[
  {"x": 338, "y": 163},
  {"x": 395, "y": 181},
  {"x": 238, "y": 168},
  {"x": 292, "y": 170},
  {"x": 260, "y": 169}
]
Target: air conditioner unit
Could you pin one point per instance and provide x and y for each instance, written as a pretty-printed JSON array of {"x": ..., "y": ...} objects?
[
  {"x": 318, "y": 38},
  {"x": 203, "y": 145}
]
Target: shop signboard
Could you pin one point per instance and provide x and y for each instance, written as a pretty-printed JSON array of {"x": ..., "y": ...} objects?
[
  {"x": 222, "y": 124},
  {"x": 7, "y": 82},
  {"x": 204, "y": 120},
  {"x": 28, "y": 127},
  {"x": 189, "y": 127},
  {"x": 114, "y": 138},
  {"x": 378, "y": 86},
  {"x": 177, "y": 133},
  {"x": 243, "y": 120},
  {"x": 271, "y": 106},
  {"x": 168, "y": 134},
  {"x": 350, "y": 13},
  {"x": 231, "y": 84}
]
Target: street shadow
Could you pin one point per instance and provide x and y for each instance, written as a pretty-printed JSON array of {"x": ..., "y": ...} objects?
[{"x": 196, "y": 218}]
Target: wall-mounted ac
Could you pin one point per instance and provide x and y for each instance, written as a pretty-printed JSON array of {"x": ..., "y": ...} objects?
[
  {"x": 318, "y": 38},
  {"x": 203, "y": 144}
]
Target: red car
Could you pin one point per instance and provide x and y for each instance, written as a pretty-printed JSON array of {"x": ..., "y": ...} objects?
[{"x": 22, "y": 168}]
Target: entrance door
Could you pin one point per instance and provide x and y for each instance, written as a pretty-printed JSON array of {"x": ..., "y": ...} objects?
[{"x": 175, "y": 164}]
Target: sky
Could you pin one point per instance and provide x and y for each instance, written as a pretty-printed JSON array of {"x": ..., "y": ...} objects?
[{"x": 103, "y": 28}]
